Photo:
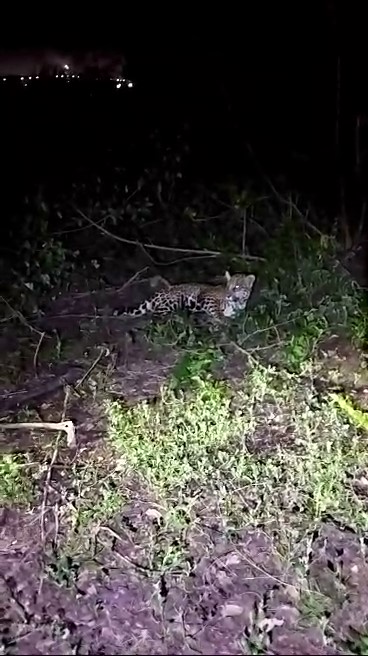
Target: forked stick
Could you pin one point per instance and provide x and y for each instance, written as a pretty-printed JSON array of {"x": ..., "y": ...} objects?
[{"x": 66, "y": 426}]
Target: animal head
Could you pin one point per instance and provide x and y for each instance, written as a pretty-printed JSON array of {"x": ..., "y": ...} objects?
[
  {"x": 239, "y": 284},
  {"x": 239, "y": 288}
]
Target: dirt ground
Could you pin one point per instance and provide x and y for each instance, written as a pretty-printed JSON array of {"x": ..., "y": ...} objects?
[
  {"x": 238, "y": 598},
  {"x": 236, "y": 595}
]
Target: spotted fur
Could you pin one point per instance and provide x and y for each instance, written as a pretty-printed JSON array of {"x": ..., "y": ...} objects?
[{"x": 218, "y": 301}]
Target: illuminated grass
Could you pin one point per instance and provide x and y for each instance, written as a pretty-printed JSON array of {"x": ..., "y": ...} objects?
[
  {"x": 15, "y": 482},
  {"x": 271, "y": 452}
]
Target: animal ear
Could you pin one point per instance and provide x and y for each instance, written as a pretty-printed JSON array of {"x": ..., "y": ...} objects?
[
  {"x": 249, "y": 281},
  {"x": 227, "y": 276}
]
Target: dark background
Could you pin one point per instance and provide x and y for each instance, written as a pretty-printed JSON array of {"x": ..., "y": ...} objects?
[{"x": 264, "y": 88}]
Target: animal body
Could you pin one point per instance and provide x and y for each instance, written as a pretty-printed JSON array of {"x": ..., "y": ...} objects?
[{"x": 219, "y": 302}]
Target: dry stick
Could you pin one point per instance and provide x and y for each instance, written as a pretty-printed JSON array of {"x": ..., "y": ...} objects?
[
  {"x": 133, "y": 278},
  {"x": 244, "y": 235},
  {"x": 52, "y": 462},
  {"x": 181, "y": 259},
  {"x": 104, "y": 351},
  {"x": 362, "y": 218},
  {"x": 112, "y": 288},
  {"x": 281, "y": 199},
  {"x": 72, "y": 230},
  {"x": 66, "y": 426},
  {"x": 291, "y": 204},
  {"x": 157, "y": 247},
  {"x": 20, "y": 316},
  {"x": 186, "y": 259},
  {"x": 46, "y": 488},
  {"x": 37, "y": 351}
]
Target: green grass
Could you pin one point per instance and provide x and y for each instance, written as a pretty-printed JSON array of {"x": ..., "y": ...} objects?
[
  {"x": 360, "y": 645},
  {"x": 275, "y": 450},
  {"x": 94, "y": 493},
  {"x": 270, "y": 452},
  {"x": 16, "y": 486},
  {"x": 305, "y": 297}
]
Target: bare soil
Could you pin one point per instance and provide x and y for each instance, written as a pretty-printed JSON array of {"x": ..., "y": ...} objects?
[{"x": 236, "y": 593}]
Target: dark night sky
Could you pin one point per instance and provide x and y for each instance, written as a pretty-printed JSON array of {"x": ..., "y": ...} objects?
[
  {"x": 273, "y": 63},
  {"x": 279, "y": 41},
  {"x": 280, "y": 53},
  {"x": 270, "y": 57}
]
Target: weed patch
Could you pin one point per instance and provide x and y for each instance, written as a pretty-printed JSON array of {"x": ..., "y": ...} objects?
[
  {"x": 15, "y": 483},
  {"x": 269, "y": 453}
]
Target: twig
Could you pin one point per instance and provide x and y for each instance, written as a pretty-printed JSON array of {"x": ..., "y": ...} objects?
[
  {"x": 72, "y": 230},
  {"x": 281, "y": 199},
  {"x": 204, "y": 219},
  {"x": 46, "y": 488},
  {"x": 132, "y": 278},
  {"x": 20, "y": 316},
  {"x": 37, "y": 351},
  {"x": 66, "y": 426},
  {"x": 111, "y": 288},
  {"x": 244, "y": 235},
  {"x": 186, "y": 259},
  {"x": 117, "y": 537},
  {"x": 158, "y": 247},
  {"x": 290, "y": 203},
  {"x": 362, "y": 221},
  {"x": 73, "y": 315},
  {"x": 104, "y": 351},
  {"x": 49, "y": 472}
]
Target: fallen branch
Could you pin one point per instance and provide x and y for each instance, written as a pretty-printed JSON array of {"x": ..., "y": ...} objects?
[
  {"x": 104, "y": 351},
  {"x": 66, "y": 426},
  {"x": 112, "y": 288},
  {"x": 35, "y": 389},
  {"x": 21, "y": 318},
  {"x": 169, "y": 249}
]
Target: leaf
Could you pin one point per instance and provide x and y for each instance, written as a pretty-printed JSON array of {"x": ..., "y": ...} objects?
[{"x": 356, "y": 416}]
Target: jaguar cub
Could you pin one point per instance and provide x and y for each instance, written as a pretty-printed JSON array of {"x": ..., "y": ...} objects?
[{"x": 218, "y": 301}]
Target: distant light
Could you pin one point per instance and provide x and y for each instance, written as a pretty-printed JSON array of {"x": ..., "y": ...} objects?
[
  {"x": 56, "y": 76},
  {"x": 73, "y": 75},
  {"x": 4, "y": 79},
  {"x": 25, "y": 84},
  {"x": 130, "y": 84},
  {"x": 118, "y": 85},
  {"x": 61, "y": 75},
  {"x": 37, "y": 77},
  {"x": 30, "y": 77},
  {"x": 66, "y": 67},
  {"x": 22, "y": 78}
]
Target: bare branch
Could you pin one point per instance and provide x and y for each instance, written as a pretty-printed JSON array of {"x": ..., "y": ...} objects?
[
  {"x": 157, "y": 247},
  {"x": 66, "y": 426}
]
